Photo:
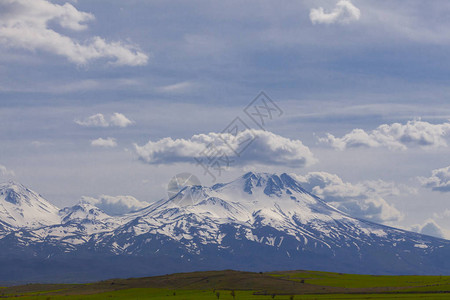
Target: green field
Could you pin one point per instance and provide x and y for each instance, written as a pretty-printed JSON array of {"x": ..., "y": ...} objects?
[{"x": 244, "y": 285}]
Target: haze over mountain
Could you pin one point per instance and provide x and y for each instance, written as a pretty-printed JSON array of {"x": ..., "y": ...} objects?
[{"x": 258, "y": 222}]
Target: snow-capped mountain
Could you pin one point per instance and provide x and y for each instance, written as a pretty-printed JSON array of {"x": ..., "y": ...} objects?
[
  {"x": 23, "y": 208},
  {"x": 257, "y": 222}
]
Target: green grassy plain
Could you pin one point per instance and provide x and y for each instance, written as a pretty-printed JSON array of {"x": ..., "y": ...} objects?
[
  {"x": 416, "y": 283},
  {"x": 246, "y": 285}
]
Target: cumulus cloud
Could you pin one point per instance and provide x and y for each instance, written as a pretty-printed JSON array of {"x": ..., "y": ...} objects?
[
  {"x": 344, "y": 12},
  {"x": 107, "y": 143},
  {"x": 115, "y": 205},
  {"x": 24, "y": 24},
  {"x": 119, "y": 120},
  {"x": 5, "y": 173},
  {"x": 99, "y": 120},
  {"x": 364, "y": 199},
  {"x": 438, "y": 181},
  {"x": 266, "y": 148},
  {"x": 394, "y": 136},
  {"x": 430, "y": 227}
]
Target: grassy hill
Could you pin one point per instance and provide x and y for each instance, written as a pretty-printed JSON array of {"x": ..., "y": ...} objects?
[{"x": 245, "y": 285}]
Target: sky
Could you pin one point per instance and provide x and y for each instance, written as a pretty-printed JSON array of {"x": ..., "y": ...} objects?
[{"x": 106, "y": 103}]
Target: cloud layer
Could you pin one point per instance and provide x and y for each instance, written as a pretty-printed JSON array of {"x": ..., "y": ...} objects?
[
  {"x": 266, "y": 148},
  {"x": 24, "y": 24},
  {"x": 115, "y": 205},
  {"x": 344, "y": 12},
  {"x": 438, "y": 181},
  {"x": 107, "y": 143},
  {"x": 394, "y": 136},
  {"x": 99, "y": 120},
  {"x": 364, "y": 199}
]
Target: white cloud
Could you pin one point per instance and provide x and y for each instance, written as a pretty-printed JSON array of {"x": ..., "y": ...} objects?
[
  {"x": 24, "y": 24},
  {"x": 344, "y": 12},
  {"x": 116, "y": 205},
  {"x": 119, "y": 120},
  {"x": 364, "y": 199},
  {"x": 430, "y": 227},
  {"x": 395, "y": 136},
  {"x": 267, "y": 148},
  {"x": 108, "y": 142},
  {"x": 438, "y": 181},
  {"x": 99, "y": 120},
  {"x": 180, "y": 87},
  {"x": 5, "y": 173}
]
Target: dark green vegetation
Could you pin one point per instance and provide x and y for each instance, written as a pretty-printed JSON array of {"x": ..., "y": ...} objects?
[{"x": 245, "y": 285}]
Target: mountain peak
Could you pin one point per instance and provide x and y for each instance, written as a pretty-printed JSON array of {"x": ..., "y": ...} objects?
[
  {"x": 14, "y": 186},
  {"x": 82, "y": 211},
  {"x": 256, "y": 175},
  {"x": 253, "y": 180},
  {"x": 273, "y": 184},
  {"x": 14, "y": 192},
  {"x": 22, "y": 207}
]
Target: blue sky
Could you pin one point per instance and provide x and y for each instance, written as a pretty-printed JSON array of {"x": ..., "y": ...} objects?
[{"x": 111, "y": 99}]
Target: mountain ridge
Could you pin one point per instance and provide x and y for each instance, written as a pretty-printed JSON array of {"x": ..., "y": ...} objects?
[{"x": 259, "y": 221}]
